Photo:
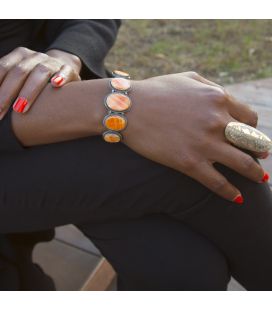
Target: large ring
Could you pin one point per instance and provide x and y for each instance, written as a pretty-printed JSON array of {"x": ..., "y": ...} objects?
[{"x": 247, "y": 137}]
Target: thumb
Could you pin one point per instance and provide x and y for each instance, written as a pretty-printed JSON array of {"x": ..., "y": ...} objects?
[{"x": 65, "y": 75}]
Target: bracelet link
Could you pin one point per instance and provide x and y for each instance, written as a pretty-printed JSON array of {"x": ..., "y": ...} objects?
[{"x": 117, "y": 104}]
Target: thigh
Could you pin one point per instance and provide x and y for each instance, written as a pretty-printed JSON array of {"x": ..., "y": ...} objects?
[
  {"x": 86, "y": 180},
  {"x": 242, "y": 232},
  {"x": 159, "y": 253}
]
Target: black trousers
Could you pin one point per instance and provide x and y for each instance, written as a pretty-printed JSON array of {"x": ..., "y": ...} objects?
[{"x": 160, "y": 229}]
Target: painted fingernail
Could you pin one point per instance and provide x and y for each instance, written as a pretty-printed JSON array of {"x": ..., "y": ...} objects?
[
  {"x": 238, "y": 199},
  {"x": 57, "y": 80},
  {"x": 20, "y": 104},
  {"x": 265, "y": 178}
]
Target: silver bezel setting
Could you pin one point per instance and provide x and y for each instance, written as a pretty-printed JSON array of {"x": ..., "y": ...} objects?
[
  {"x": 118, "y": 90},
  {"x": 115, "y": 114},
  {"x": 120, "y": 75},
  {"x": 112, "y": 110},
  {"x": 112, "y": 132}
]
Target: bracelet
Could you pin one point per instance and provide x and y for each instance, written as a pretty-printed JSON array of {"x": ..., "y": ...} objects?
[{"x": 117, "y": 104}]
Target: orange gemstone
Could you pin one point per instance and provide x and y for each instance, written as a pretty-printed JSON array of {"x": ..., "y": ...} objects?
[
  {"x": 118, "y": 102},
  {"x": 120, "y": 73},
  {"x": 115, "y": 122},
  {"x": 111, "y": 137},
  {"x": 120, "y": 84}
]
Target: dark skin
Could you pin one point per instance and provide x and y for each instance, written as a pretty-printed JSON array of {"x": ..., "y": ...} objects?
[
  {"x": 24, "y": 73},
  {"x": 176, "y": 120}
]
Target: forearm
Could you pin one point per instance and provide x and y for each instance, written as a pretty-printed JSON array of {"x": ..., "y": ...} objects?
[{"x": 74, "y": 111}]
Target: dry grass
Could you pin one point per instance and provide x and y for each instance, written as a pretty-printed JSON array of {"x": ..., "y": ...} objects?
[{"x": 225, "y": 51}]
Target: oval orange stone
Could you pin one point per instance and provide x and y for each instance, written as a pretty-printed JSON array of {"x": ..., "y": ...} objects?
[
  {"x": 120, "y": 73},
  {"x": 118, "y": 102},
  {"x": 115, "y": 122},
  {"x": 112, "y": 137},
  {"x": 120, "y": 84}
]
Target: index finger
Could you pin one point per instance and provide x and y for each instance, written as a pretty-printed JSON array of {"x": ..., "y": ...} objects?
[
  {"x": 242, "y": 112},
  {"x": 207, "y": 175},
  {"x": 8, "y": 61}
]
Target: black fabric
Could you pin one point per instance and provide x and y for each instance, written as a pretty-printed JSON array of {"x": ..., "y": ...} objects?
[
  {"x": 94, "y": 185},
  {"x": 159, "y": 253},
  {"x": 88, "y": 39}
]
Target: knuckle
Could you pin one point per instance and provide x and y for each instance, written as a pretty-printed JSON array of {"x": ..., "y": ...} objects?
[
  {"x": 43, "y": 55},
  {"x": 67, "y": 70},
  {"x": 23, "y": 50},
  {"x": 20, "y": 70},
  {"x": 4, "y": 68},
  {"x": 76, "y": 59},
  {"x": 217, "y": 95},
  {"x": 43, "y": 68},
  {"x": 215, "y": 121},
  {"x": 219, "y": 184},
  {"x": 248, "y": 163},
  {"x": 192, "y": 74},
  {"x": 187, "y": 162}
]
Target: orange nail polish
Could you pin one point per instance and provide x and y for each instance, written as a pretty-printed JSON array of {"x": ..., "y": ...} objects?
[
  {"x": 265, "y": 177},
  {"x": 20, "y": 104},
  {"x": 57, "y": 80},
  {"x": 238, "y": 199}
]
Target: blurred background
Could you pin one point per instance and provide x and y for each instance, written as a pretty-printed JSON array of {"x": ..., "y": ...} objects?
[{"x": 225, "y": 51}]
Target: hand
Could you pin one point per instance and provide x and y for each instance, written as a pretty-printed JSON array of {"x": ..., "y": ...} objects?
[
  {"x": 24, "y": 74},
  {"x": 178, "y": 120}
]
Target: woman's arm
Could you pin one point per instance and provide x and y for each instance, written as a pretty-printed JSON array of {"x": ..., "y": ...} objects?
[
  {"x": 176, "y": 120},
  {"x": 73, "y": 111}
]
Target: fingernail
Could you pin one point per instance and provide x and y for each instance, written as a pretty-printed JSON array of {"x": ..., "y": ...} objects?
[
  {"x": 265, "y": 178},
  {"x": 238, "y": 199},
  {"x": 57, "y": 80},
  {"x": 20, "y": 104}
]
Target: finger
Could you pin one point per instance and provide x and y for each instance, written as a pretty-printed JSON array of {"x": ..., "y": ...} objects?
[
  {"x": 262, "y": 155},
  {"x": 34, "y": 85},
  {"x": 207, "y": 175},
  {"x": 8, "y": 61},
  {"x": 240, "y": 161},
  {"x": 241, "y": 112},
  {"x": 64, "y": 76},
  {"x": 238, "y": 110},
  {"x": 15, "y": 79}
]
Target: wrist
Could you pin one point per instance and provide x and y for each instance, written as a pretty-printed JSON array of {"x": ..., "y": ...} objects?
[
  {"x": 117, "y": 108},
  {"x": 98, "y": 111},
  {"x": 137, "y": 114}
]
